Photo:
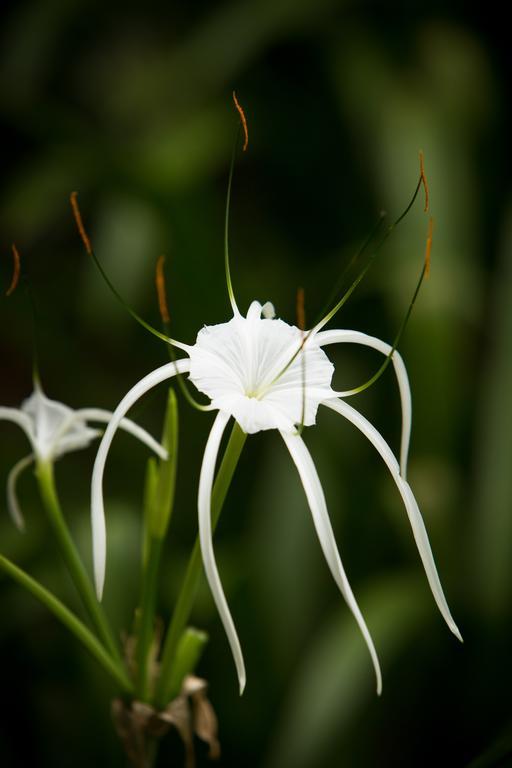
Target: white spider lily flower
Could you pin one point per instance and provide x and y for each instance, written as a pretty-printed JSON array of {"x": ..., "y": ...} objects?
[
  {"x": 54, "y": 429},
  {"x": 267, "y": 374}
]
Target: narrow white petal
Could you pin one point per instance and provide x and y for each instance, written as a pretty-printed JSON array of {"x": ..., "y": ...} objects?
[
  {"x": 13, "y": 506},
  {"x": 355, "y": 337},
  {"x": 205, "y": 538},
  {"x": 316, "y": 500},
  {"x": 98, "y": 414},
  {"x": 411, "y": 506},
  {"x": 99, "y": 533},
  {"x": 21, "y": 419}
]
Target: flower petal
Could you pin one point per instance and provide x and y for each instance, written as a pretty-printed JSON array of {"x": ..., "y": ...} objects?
[
  {"x": 356, "y": 337},
  {"x": 99, "y": 534},
  {"x": 13, "y": 506},
  {"x": 205, "y": 538},
  {"x": 19, "y": 418},
  {"x": 263, "y": 372},
  {"x": 411, "y": 506},
  {"x": 99, "y": 414},
  {"x": 316, "y": 500}
]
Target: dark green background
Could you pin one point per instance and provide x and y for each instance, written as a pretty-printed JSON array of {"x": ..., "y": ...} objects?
[{"x": 130, "y": 105}]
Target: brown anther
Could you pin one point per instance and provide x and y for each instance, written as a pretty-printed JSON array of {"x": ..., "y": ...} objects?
[
  {"x": 300, "y": 311},
  {"x": 428, "y": 247},
  {"x": 79, "y": 222},
  {"x": 243, "y": 121},
  {"x": 15, "y": 272},
  {"x": 160, "y": 289},
  {"x": 423, "y": 180}
]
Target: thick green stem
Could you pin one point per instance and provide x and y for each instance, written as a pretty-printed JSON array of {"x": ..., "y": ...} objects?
[
  {"x": 44, "y": 473},
  {"x": 68, "y": 618},
  {"x": 194, "y": 569},
  {"x": 147, "y": 608}
]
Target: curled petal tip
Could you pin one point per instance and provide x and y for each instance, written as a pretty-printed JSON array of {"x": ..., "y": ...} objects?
[
  {"x": 379, "y": 687},
  {"x": 454, "y": 628},
  {"x": 242, "y": 686}
]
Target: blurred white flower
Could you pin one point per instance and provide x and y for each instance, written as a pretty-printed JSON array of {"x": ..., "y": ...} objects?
[
  {"x": 267, "y": 374},
  {"x": 54, "y": 429}
]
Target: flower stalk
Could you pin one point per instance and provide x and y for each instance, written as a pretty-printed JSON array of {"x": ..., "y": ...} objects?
[
  {"x": 72, "y": 622},
  {"x": 46, "y": 481}
]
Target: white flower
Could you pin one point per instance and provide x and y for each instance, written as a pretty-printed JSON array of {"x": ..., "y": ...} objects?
[
  {"x": 267, "y": 374},
  {"x": 54, "y": 429}
]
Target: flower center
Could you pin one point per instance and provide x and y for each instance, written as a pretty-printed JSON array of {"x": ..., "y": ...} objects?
[{"x": 255, "y": 369}]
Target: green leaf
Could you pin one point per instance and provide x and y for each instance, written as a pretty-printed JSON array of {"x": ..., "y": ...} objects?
[
  {"x": 93, "y": 645},
  {"x": 190, "y": 649},
  {"x": 150, "y": 488},
  {"x": 163, "y": 496}
]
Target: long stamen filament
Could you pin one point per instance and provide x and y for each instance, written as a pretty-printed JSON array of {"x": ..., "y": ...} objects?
[
  {"x": 354, "y": 259},
  {"x": 327, "y": 317},
  {"x": 227, "y": 268},
  {"x": 396, "y": 342},
  {"x": 166, "y": 322},
  {"x": 371, "y": 258},
  {"x": 88, "y": 247},
  {"x": 301, "y": 323}
]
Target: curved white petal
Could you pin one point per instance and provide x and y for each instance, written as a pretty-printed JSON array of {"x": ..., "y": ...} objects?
[
  {"x": 99, "y": 414},
  {"x": 356, "y": 337},
  {"x": 411, "y": 506},
  {"x": 205, "y": 538},
  {"x": 99, "y": 534},
  {"x": 21, "y": 419},
  {"x": 316, "y": 500},
  {"x": 13, "y": 506}
]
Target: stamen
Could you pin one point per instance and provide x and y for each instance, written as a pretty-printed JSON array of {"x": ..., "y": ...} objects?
[
  {"x": 398, "y": 336},
  {"x": 301, "y": 324},
  {"x": 161, "y": 292},
  {"x": 16, "y": 271},
  {"x": 79, "y": 222},
  {"x": 243, "y": 121},
  {"x": 166, "y": 321},
  {"x": 428, "y": 247},
  {"x": 423, "y": 180},
  {"x": 88, "y": 247},
  {"x": 227, "y": 268},
  {"x": 389, "y": 229},
  {"x": 299, "y": 304}
]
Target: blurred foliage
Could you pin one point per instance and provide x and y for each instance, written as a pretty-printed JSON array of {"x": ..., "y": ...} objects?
[{"x": 130, "y": 105}]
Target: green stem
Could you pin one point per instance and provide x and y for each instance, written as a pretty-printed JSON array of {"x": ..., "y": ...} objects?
[
  {"x": 194, "y": 569},
  {"x": 71, "y": 621},
  {"x": 44, "y": 473},
  {"x": 147, "y": 608}
]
